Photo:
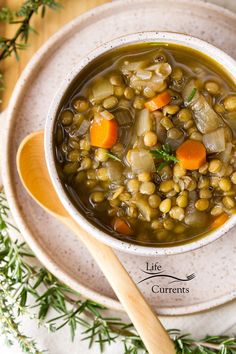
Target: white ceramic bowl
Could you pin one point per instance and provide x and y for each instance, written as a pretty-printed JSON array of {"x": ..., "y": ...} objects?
[{"x": 161, "y": 37}]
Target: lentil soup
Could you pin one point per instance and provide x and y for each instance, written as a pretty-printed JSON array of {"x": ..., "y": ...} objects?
[{"x": 145, "y": 144}]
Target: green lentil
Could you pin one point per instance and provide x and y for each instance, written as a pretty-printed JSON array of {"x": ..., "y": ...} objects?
[
  {"x": 81, "y": 105},
  {"x": 177, "y": 213},
  {"x": 230, "y": 103},
  {"x": 225, "y": 184},
  {"x": 147, "y": 188},
  {"x": 215, "y": 166},
  {"x": 184, "y": 115},
  {"x": 66, "y": 117},
  {"x": 110, "y": 102},
  {"x": 212, "y": 87},
  {"x": 228, "y": 202},
  {"x": 154, "y": 200},
  {"x": 202, "y": 204},
  {"x": 165, "y": 205},
  {"x": 129, "y": 93},
  {"x": 97, "y": 197}
]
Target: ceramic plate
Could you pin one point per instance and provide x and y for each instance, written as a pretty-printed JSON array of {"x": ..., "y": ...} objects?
[{"x": 177, "y": 284}]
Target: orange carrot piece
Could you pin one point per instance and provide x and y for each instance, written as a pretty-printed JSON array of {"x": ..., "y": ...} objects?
[
  {"x": 104, "y": 133},
  {"x": 191, "y": 154},
  {"x": 158, "y": 102},
  {"x": 219, "y": 220},
  {"x": 121, "y": 226}
]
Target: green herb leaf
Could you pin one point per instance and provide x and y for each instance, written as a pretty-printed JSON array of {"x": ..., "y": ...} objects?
[
  {"x": 192, "y": 94},
  {"x": 113, "y": 157},
  {"x": 22, "y": 17},
  {"x": 165, "y": 154},
  {"x": 18, "y": 279}
]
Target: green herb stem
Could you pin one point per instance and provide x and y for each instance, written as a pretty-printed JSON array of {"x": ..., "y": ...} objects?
[
  {"x": 192, "y": 94},
  {"x": 22, "y": 284},
  {"x": 113, "y": 157},
  {"x": 22, "y": 17}
]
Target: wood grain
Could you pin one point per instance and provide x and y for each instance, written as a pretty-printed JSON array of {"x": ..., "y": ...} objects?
[{"x": 51, "y": 23}]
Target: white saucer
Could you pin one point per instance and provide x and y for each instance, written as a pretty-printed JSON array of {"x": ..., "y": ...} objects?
[{"x": 214, "y": 266}]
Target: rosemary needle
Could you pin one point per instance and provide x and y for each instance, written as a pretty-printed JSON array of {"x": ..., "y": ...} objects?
[{"x": 165, "y": 155}]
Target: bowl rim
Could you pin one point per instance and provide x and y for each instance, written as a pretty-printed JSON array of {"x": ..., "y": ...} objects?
[{"x": 219, "y": 56}]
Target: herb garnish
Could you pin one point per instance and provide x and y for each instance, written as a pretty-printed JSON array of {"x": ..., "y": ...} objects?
[
  {"x": 165, "y": 154},
  {"x": 192, "y": 94},
  {"x": 22, "y": 17},
  {"x": 52, "y": 306},
  {"x": 113, "y": 157}
]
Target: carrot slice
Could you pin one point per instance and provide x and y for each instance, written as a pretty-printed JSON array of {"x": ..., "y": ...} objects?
[
  {"x": 104, "y": 133},
  {"x": 219, "y": 220},
  {"x": 158, "y": 102},
  {"x": 191, "y": 154},
  {"x": 121, "y": 226}
]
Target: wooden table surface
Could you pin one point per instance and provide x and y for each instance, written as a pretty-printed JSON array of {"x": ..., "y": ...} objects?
[
  {"x": 45, "y": 28},
  {"x": 53, "y": 21}
]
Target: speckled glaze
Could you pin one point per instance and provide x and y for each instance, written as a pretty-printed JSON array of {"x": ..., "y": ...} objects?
[
  {"x": 143, "y": 37},
  {"x": 61, "y": 252}
]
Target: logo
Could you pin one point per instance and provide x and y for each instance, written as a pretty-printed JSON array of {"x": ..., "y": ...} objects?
[{"x": 173, "y": 283}]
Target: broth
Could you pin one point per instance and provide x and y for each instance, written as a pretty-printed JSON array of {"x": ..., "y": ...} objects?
[{"x": 145, "y": 144}]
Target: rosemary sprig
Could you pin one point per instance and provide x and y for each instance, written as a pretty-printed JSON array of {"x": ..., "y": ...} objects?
[
  {"x": 22, "y": 17},
  {"x": 165, "y": 155},
  {"x": 22, "y": 284},
  {"x": 184, "y": 343}
]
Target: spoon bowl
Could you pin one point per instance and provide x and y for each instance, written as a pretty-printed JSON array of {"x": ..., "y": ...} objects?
[{"x": 34, "y": 175}]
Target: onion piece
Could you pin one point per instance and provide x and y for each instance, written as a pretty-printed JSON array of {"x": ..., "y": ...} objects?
[
  {"x": 123, "y": 117},
  {"x": 84, "y": 126},
  {"x": 226, "y": 154},
  {"x": 231, "y": 121},
  {"x": 75, "y": 131},
  {"x": 155, "y": 84},
  {"x": 144, "y": 74},
  {"x": 133, "y": 66},
  {"x": 206, "y": 119},
  {"x": 196, "y": 219},
  {"x": 114, "y": 170},
  {"x": 107, "y": 115},
  {"x": 163, "y": 70},
  {"x": 125, "y": 137},
  {"x": 157, "y": 79},
  {"x": 143, "y": 122},
  {"x": 215, "y": 141},
  {"x": 141, "y": 161},
  {"x": 143, "y": 207},
  {"x": 117, "y": 192},
  {"x": 153, "y": 67},
  {"x": 101, "y": 90}
]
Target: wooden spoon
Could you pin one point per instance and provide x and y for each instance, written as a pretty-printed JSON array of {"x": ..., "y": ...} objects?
[{"x": 34, "y": 175}]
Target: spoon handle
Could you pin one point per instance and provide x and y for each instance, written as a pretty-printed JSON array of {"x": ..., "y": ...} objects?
[{"x": 150, "y": 329}]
